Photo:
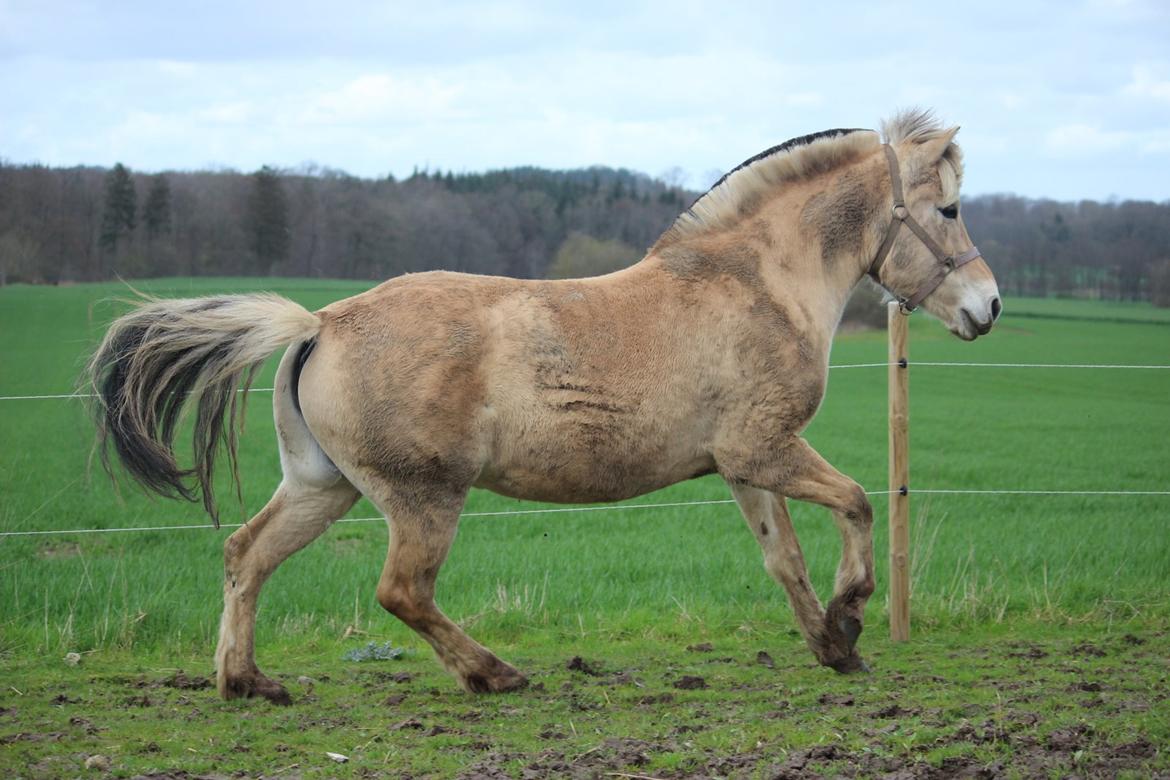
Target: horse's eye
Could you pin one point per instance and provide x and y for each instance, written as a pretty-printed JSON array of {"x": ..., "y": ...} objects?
[{"x": 951, "y": 211}]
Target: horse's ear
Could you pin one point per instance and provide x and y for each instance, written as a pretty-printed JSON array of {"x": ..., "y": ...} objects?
[{"x": 934, "y": 149}]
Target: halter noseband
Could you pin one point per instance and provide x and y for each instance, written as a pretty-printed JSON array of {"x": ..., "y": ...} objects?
[{"x": 947, "y": 262}]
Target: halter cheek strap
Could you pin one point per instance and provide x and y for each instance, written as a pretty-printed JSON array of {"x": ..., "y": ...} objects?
[{"x": 901, "y": 215}]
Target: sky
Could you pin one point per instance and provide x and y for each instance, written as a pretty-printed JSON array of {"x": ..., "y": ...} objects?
[{"x": 1065, "y": 100}]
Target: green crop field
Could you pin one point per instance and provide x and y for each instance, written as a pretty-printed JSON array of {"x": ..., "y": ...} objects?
[{"x": 1006, "y": 587}]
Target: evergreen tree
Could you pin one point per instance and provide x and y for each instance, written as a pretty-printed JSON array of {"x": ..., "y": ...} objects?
[
  {"x": 156, "y": 212},
  {"x": 267, "y": 219},
  {"x": 118, "y": 219}
]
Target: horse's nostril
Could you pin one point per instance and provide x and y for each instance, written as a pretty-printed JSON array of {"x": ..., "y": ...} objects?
[{"x": 996, "y": 308}]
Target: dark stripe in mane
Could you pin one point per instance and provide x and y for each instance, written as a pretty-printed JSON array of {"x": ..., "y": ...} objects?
[{"x": 784, "y": 147}]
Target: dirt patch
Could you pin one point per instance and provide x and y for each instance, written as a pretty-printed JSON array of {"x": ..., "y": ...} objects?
[
  {"x": 895, "y": 710},
  {"x": 181, "y": 681},
  {"x": 411, "y": 724},
  {"x": 842, "y": 700},
  {"x": 988, "y": 731},
  {"x": 1031, "y": 652},
  {"x": 1087, "y": 687},
  {"x": 32, "y": 736},
  {"x": 1088, "y": 650},
  {"x": 763, "y": 659},
  {"x": 579, "y": 664},
  {"x": 1069, "y": 740},
  {"x": 622, "y": 678},
  {"x": 85, "y": 724},
  {"x": 690, "y": 682},
  {"x": 702, "y": 647},
  {"x": 611, "y": 756},
  {"x": 799, "y": 761}
]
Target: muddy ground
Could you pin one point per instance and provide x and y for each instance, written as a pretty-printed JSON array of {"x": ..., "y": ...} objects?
[{"x": 1083, "y": 701}]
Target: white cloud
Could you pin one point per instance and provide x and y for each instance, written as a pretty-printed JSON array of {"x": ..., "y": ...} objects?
[
  {"x": 649, "y": 86},
  {"x": 1146, "y": 84}
]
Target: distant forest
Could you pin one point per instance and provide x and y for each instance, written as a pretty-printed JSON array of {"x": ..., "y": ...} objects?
[{"x": 86, "y": 224}]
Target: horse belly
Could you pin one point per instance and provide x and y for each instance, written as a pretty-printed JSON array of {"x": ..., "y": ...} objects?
[{"x": 586, "y": 459}]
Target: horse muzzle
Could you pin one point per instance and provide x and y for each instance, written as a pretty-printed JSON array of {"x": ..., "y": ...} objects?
[{"x": 976, "y": 321}]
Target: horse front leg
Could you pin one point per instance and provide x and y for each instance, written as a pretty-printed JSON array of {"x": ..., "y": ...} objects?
[
  {"x": 796, "y": 470},
  {"x": 806, "y": 476},
  {"x": 767, "y": 516}
]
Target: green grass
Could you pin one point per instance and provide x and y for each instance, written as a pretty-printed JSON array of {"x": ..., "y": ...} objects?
[
  {"x": 618, "y": 584},
  {"x": 976, "y": 557}
]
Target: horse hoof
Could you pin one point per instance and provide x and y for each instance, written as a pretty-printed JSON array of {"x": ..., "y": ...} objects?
[
  {"x": 501, "y": 682},
  {"x": 850, "y": 664},
  {"x": 273, "y": 691},
  {"x": 252, "y": 687}
]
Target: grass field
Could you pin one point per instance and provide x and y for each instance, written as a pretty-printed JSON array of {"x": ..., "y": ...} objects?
[{"x": 996, "y": 578}]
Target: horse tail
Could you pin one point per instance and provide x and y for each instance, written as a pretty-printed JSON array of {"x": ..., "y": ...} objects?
[{"x": 165, "y": 353}]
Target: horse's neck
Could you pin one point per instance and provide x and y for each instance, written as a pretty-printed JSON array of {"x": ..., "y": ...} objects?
[
  {"x": 797, "y": 275},
  {"x": 802, "y": 248},
  {"x": 822, "y": 273}
]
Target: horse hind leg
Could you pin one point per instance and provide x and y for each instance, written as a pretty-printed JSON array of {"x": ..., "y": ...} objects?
[
  {"x": 312, "y": 496},
  {"x": 293, "y": 517},
  {"x": 422, "y": 529}
]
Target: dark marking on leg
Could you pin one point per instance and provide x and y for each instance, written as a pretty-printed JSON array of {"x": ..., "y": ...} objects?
[{"x": 763, "y": 529}]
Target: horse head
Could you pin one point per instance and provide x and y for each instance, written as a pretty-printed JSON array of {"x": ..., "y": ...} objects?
[{"x": 933, "y": 263}]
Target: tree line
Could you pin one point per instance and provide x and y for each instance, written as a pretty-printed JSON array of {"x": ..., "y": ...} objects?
[{"x": 88, "y": 224}]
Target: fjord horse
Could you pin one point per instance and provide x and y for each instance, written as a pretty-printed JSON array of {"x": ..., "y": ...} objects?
[{"x": 709, "y": 355}]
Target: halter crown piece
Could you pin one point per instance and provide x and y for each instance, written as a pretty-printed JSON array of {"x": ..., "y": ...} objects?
[{"x": 901, "y": 215}]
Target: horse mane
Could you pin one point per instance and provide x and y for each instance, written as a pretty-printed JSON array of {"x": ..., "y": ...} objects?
[
  {"x": 738, "y": 192},
  {"x": 920, "y": 126}
]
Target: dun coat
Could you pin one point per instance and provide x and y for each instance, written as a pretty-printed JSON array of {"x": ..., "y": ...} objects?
[{"x": 708, "y": 356}]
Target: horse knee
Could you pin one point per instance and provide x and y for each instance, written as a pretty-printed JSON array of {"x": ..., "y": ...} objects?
[
  {"x": 858, "y": 510},
  {"x": 234, "y": 548},
  {"x": 863, "y": 588}
]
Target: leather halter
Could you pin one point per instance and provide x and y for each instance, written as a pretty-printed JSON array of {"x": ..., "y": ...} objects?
[{"x": 901, "y": 215}]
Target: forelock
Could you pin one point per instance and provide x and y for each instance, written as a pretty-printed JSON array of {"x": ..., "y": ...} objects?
[{"x": 915, "y": 126}]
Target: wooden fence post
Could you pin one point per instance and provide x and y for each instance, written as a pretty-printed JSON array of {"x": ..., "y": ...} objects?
[{"x": 899, "y": 411}]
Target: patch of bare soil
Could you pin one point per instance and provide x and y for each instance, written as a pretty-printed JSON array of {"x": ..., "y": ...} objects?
[
  {"x": 579, "y": 664},
  {"x": 1089, "y": 650},
  {"x": 690, "y": 682},
  {"x": 611, "y": 756},
  {"x": 183, "y": 682}
]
